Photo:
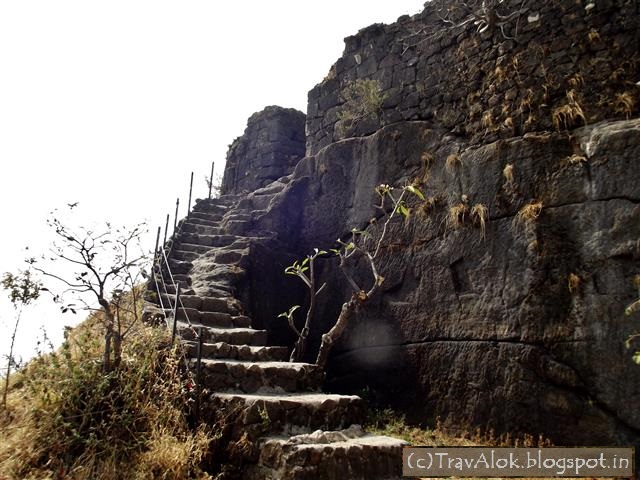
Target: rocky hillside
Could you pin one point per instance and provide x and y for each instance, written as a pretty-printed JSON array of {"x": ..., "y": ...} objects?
[{"x": 504, "y": 295}]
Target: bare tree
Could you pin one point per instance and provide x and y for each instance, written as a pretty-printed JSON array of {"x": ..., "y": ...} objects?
[
  {"x": 106, "y": 266},
  {"x": 22, "y": 290},
  {"x": 300, "y": 270},
  {"x": 360, "y": 245}
]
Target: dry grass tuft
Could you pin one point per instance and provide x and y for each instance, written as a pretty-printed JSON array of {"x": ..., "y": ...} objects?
[
  {"x": 566, "y": 116},
  {"x": 453, "y": 161},
  {"x": 480, "y": 214},
  {"x": 427, "y": 160},
  {"x": 528, "y": 214},
  {"x": 487, "y": 120},
  {"x": 624, "y": 104},
  {"x": 573, "y": 282},
  {"x": 387, "y": 422},
  {"x": 66, "y": 418},
  {"x": 507, "y": 173},
  {"x": 593, "y": 36},
  {"x": 577, "y": 159},
  {"x": 457, "y": 214}
]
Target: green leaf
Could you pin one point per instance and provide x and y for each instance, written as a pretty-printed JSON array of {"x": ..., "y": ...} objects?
[
  {"x": 415, "y": 191},
  {"x": 402, "y": 209},
  {"x": 636, "y": 357}
]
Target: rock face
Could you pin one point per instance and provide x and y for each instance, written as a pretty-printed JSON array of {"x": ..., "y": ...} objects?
[
  {"x": 512, "y": 322},
  {"x": 272, "y": 144},
  {"x": 509, "y": 320}
]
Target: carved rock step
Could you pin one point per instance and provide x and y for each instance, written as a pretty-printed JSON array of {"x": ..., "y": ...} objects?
[
  {"x": 186, "y": 255},
  {"x": 207, "y": 216},
  {"x": 239, "y": 352},
  {"x": 256, "y": 202},
  {"x": 205, "y": 304},
  {"x": 237, "y": 227},
  {"x": 190, "y": 230},
  {"x": 218, "y": 206},
  {"x": 179, "y": 267},
  {"x": 211, "y": 319},
  {"x": 289, "y": 413},
  {"x": 190, "y": 247},
  {"x": 197, "y": 229},
  {"x": 213, "y": 221},
  {"x": 249, "y": 377},
  {"x": 232, "y": 336},
  {"x": 365, "y": 457},
  {"x": 221, "y": 240}
]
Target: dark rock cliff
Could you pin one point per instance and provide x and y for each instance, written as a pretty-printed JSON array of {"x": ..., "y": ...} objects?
[
  {"x": 514, "y": 324},
  {"x": 272, "y": 144}
]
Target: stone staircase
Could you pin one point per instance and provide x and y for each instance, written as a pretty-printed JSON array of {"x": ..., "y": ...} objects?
[{"x": 294, "y": 430}]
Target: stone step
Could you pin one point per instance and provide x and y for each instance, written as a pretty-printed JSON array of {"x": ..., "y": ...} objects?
[
  {"x": 237, "y": 227},
  {"x": 197, "y": 229},
  {"x": 249, "y": 377},
  {"x": 214, "y": 240},
  {"x": 242, "y": 215},
  {"x": 179, "y": 267},
  {"x": 206, "y": 304},
  {"x": 239, "y": 352},
  {"x": 329, "y": 455},
  {"x": 289, "y": 413},
  {"x": 215, "y": 215},
  {"x": 185, "y": 255},
  {"x": 211, "y": 319},
  {"x": 211, "y": 221},
  {"x": 191, "y": 247},
  {"x": 231, "y": 256},
  {"x": 232, "y": 336},
  {"x": 185, "y": 289},
  {"x": 212, "y": 207}
]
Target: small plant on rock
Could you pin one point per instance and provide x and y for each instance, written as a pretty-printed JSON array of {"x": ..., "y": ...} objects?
[
  {"x": 624, "y": 103},
  {"x": 528, "y": 214},
  {"x": 573, "y": 282},
  {"x": 507, "y": 173},
  {"x": 362, "y": 99},
  {"x": 359, "y": 244},
  {"x": 630, "y": 310},
  {"x": 480, "y": 213},
  {"x": 567, "y": 115}
]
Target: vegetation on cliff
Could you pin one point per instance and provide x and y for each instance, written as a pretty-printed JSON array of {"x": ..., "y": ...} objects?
[{"x": 68, "y": 418}]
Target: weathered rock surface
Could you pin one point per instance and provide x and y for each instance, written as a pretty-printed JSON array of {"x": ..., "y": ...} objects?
[
  {"x": 506, "y": 324},
  {"x": 272, "y": 144}
]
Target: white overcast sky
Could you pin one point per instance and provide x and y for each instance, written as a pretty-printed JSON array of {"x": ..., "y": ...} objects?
[{"x": 113, "y": 104}]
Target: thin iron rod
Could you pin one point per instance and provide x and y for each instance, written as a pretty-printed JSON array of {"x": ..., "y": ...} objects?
[
  {"x": 175, "y": 315},
  {"x": 166, "y": 227},
  {"x": 211, "y": 180},
  {"x": 190, "y": 191},
  {"x": 175, "y": 218}
]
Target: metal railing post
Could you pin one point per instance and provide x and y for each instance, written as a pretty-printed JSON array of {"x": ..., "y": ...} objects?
[
  {"x": 190, "y": 191},
  {"x": 198, "y": 376},
  {"x": 175, "y": 217},
  {"x": 166, "y": 227},
  {"x": 211, "y": 180},
  {"x": 175, "y": 314},
  {"x": 155, "y": 250}
]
